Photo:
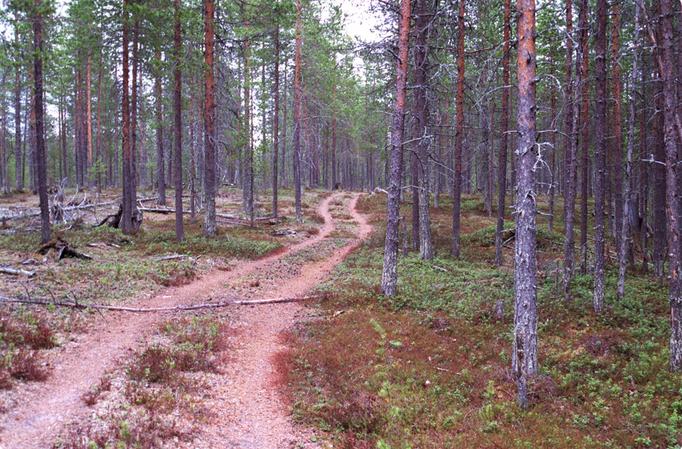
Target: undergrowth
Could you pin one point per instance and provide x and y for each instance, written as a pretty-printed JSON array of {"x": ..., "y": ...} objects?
[{"x": 430, "y": 367}]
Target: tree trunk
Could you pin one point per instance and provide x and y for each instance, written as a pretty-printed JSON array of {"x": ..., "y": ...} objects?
[
  {"x": 459, "y": 136},
  {"x": 100, "y": 100},
  {"x": 133, "y": 104},
  {"x": 41, "y": 156},
  {"x": 128, "y": 202},
  {"x": 209, "y": 121},
  {"x": 177, "y": 118},
  {"x": 160, "y": 162},
  {"x": 570, "y": 156},
  {"x": 88, "y": 113},
  {"x": 584, "y": 130},
  {"x": 616, "y": 139},
  {"x": 4, "y": 179},
  {"x": 248, "y": 156},
  {"x": 18, "y": 166},
  {"x": 504, "y": 126},
  {"x": 600, "y": 156},
  {"x": 275, "y": 126},
  {"x": 389, "y": 278},
  {"x": 297, "y": 112},
  {"x": 672, "y": 201},
  {"x": 524, "y": 353}
]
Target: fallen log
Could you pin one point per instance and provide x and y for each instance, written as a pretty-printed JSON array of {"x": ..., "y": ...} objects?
[
  {"x": 217, "y": 305},
  {"x": 17, "y": 271}
]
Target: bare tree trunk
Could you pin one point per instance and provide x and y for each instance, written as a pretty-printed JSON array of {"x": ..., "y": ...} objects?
[
  {"x": 389, "y": 278},
  {"x": 275, "y": 125},
  {"x": 524, "y": 354},
  {"x": 248, "y": 123},
  {"x": 41, "y": 157},
  {"x": 160, "y": 162},
  {"x": 128, "y": 202},
  {"x": 177, "y": 106},
  {"x": 298, "y": 94},
  {"x": 422, "y": 25},
  {"x": 672, "y": 202},
  {"x": 285, "y": 109},
  {"x": 4, "y": 179},
  {"x": 625, "y": 237},
  {"x": 584, "y": 128},
  {"x": 504, "y": 126},
  {"x": 209, "y": 120},
  {"x": 616, "y": 138},
  {"x": 88, "y": 113},
  {"x": 100, "y": 100},
  {"x": 18, "y": 166},
  {"x": 600, "y": 156},
  {"x": 459, "y": 136},
  {"x": 644, "y": 172}
]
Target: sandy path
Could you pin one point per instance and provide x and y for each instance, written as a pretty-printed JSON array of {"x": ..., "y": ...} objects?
[
  {"x": 45, "y": 407},
  {"x": 249, "y": 412}
]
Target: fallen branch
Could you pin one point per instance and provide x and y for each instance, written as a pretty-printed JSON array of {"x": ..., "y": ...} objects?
[
  {"x": 17, "y": 272},
  {"x": 217, "y": 305}
]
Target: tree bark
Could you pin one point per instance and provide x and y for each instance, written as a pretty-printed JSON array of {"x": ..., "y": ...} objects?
[
  {"x": 160, "y": 162},
  {"x": 128, "y": 181},
  {"x": 41, "y": 156},
  {"x": 177, "y": 118},
  {"x": 18, "y": 166},
  {"x": 459, "y": 136},
  {"x": 209, "y": 120},
  {"x": 584, "y": 128},
  {"x": 504, "y": 126},
  {"x": 275, "y": 125},
  {"x": 524, "y": 354},
  {"x": 297, "y": 112},
  {"x": 672, "y": 200},
  {"x": 616, "y": 138},
  {"x": 389, "y": 278},
  {"x": 600, "y": 156}
]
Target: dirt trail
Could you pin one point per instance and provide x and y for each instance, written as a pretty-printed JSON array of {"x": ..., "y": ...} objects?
[
  {"x": 249, "y": 413},
  {"x": 47, "y": 406}
]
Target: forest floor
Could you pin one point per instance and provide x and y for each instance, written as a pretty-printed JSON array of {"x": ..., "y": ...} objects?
[{"x": 201, "y": 379}]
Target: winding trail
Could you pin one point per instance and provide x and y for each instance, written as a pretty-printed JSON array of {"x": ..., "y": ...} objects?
[{"x": 256, "y": 417}]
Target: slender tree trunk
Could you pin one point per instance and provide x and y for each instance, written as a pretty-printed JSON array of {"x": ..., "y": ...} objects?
[
  {"x": 285, "y": 109},
  {"x": 133, "y": 104},
  {"x": 100, "y": 100},
  {"x": 584, "y": 129},
  {"x": 616, "y": 138},
  {"x": 659, "y": 174},
  {"x": 644, "y": 171},
  {"x": 160, "y": 162},
  {"x": 333, "y": 163},
  {"x": 4, "y": 181},
  {"x": 88, "y": 112},
  {"x": 600, "y": 156},
  {"x": 18, "y": 166},
  {"x": 459, "y": 135},
  {"x": 570, "y": 156},
  {"x": 504, "y": 126},
  {"x": 389, "y": 278},
  {"x": 554, "y": 177},
  {"x": 672, "y": 201},
  {"x": 248, "y": 123},
  {"x": 275, "y": 126},
  {"x": 625, "y": 237},
  {"x": 41, "y": 156},
  {"x": 524, "y": 354},
  {"x": 297, "y": 112},
  {"x": 177, "y": 118},
  {"x": 128, "y": 181},
  {"x": 209, "y": 121}
]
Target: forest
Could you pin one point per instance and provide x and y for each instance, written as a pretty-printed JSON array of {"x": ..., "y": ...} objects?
[{"x": 380, "y": 224}]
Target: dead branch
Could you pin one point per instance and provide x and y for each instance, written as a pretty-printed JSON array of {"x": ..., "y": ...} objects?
[
  {"x": 17, "y": 271},
  {"x": 217, "y": 305}
]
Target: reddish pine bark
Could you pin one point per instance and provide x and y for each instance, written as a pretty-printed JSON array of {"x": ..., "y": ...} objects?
[
  {"x": 275, "y": 124},
  {"x": 389, "y": 278},
  {"x": 584, "y": 127},
  {"x": 524, "y": 353},
  {"x": 616, "y": 138}
]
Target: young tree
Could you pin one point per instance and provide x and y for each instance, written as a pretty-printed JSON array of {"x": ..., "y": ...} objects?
[
  {"x": 525, "y": 345},
  {"x": 275, "y": 121},
  {"x": 160, "y": 156},
  {"x": 389, "y": 278},
  {"x": 177, "y": 134},
  {"x": 209, "y": 120},
  {"x": 459, "y": 136},
  {"x": 41, "y": 156}
]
